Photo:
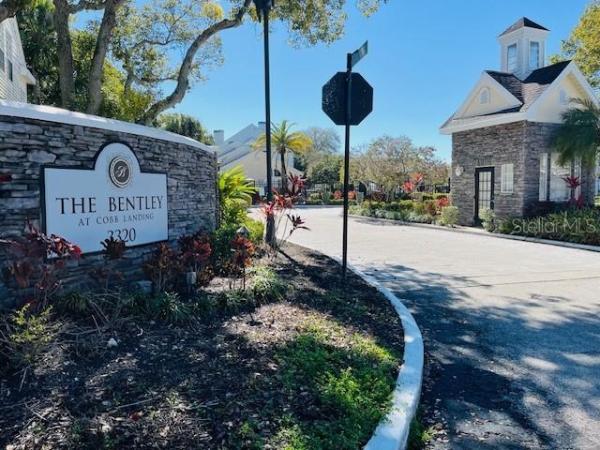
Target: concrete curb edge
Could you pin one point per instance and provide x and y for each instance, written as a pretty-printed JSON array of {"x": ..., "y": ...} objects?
[{"x": 392, "y": 432}]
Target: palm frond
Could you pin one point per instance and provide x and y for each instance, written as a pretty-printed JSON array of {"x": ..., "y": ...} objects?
[
  {"x": 233, "y": 185},
  {"x": 579, "y": 134}
]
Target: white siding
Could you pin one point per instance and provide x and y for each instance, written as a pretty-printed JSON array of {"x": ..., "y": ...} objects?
[{"x": 10, "y": 44}]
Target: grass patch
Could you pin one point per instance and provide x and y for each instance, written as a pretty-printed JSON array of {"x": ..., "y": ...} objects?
[{"x": 346, "y": 380}]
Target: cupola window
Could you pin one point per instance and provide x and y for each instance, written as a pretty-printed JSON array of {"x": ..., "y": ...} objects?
[
  {"x": 534, "y": 55},
  {"x": 511, "y": 58}
]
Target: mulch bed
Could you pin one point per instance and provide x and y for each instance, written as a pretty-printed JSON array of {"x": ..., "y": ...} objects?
[{"x": 213, "y": 385}]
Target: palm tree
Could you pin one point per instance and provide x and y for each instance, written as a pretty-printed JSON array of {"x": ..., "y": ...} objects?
[
  {"x": 579, "y": 134},
  {"x": 284, "y": 141}
]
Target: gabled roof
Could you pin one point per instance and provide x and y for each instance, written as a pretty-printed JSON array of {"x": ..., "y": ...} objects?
[
  {"x": 528, "y": 92},
  {"x": 523, "y": 22}
]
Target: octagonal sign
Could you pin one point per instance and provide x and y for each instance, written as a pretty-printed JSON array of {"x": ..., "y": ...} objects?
[{"x": 334, "y": 99}]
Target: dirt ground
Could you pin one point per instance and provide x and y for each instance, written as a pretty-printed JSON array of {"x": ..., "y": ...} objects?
[{"x": 216, "y": 384}]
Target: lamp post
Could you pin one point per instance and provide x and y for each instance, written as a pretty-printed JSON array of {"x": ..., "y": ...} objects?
[{"x": 263, "y": 8}]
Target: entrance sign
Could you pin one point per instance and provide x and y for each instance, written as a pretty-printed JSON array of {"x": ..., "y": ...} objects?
[{"x": 115, "y": 199}]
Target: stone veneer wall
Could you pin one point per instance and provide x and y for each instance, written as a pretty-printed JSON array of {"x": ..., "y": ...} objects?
[
  {"x": 519, "y": 143},
  {"x": 26, "y": 144},
  {"x": 489, "y": 147}
]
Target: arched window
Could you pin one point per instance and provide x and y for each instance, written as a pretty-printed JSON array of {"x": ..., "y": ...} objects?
[{"x": 484, "y": 96}]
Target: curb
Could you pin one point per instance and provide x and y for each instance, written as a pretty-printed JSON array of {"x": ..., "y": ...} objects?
[
  {"x": 466, "y": 230},
  {"x": 393, "y": 431}
]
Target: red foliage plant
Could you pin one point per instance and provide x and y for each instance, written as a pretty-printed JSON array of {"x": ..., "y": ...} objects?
[
  {"x": 408, "y": 187},
  {"x": 351, "y": 195},
  {"x": 442, "y": 202},
  {"x": 195, "y": 251},
  {"x": 572, "y": 182},
  {"x": 36, "y": 259},
  {"x": 284, "y": 202},
  {"x": 243, "y": 250},
  {"x": 162, "y": 267},
  {"x": 338, "y": 195}
]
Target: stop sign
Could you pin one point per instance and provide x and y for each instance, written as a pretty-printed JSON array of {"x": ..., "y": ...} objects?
[{"x": 334, "y": 99}]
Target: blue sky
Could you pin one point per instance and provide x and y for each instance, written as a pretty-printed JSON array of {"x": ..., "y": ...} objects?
[{"x": 424, "y": 57}]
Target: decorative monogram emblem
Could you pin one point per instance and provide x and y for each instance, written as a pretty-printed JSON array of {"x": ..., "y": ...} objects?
[{"x": 119, "y": 171}]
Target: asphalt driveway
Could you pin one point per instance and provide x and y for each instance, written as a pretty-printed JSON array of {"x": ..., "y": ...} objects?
[{"x": 512, "y": 329}]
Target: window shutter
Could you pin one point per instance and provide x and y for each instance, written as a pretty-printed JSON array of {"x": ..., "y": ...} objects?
[
  {"x": 543, "y": 177},
  {"x": 507, "y": 179}
]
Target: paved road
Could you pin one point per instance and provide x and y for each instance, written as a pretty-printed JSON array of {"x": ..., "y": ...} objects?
[{"x": 512, "y": 329}]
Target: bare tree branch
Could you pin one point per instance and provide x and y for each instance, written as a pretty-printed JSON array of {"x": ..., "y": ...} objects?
[
  {"x": 107, "y": 26},
  {"x": 64, "y": 51},
  {"x": 183, "y": 79}
]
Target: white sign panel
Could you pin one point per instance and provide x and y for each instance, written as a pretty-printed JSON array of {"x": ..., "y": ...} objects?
[{"x": 114, "y": 199}]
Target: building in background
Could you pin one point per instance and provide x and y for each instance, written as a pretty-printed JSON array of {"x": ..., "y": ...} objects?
[
  {"x": 501, "y": 135},
  {"x": 238, "y": 151},
  {"x": 14, "y": 75}
]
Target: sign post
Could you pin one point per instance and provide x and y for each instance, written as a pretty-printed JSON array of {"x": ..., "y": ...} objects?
[{"x": 347, "y": 100}]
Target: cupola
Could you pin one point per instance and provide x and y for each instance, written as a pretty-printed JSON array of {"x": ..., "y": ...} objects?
[{"x": 523, "y": 48}]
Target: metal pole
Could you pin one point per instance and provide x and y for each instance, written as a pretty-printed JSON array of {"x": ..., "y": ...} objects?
[
  {"x": 270, "y": 230},
  {"x": 347, "y": 164}
]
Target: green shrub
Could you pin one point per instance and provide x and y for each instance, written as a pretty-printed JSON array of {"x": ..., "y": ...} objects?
[
  {"x": 391, "y": 215},
  {"x": 420, "y": 218},
  {"x": 234, "y": 300},
  {"x": 25, "y": 336},
  {"x": 581, "y": 226},
  {"x": 168, "y": 307},
  {"x": 257, "y": 230},
  {"x": 449, "y": 216},
  {"x": 488, "y": 220},
  {"x": 266, "y": 285}
]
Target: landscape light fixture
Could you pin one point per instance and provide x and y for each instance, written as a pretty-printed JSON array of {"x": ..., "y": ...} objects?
[{"x": 263, "y": 7}]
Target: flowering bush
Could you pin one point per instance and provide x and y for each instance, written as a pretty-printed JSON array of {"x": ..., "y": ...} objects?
[
  {"x": 35, "y": 262},
  {"x": 338, "y": 195}
]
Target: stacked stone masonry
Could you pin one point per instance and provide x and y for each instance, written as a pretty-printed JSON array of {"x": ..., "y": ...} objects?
[
  {"x": 520, "y": 144},
  {"x": 28, "y": 144}
]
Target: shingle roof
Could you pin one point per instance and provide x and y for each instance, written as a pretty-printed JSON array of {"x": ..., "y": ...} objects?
[
  {"x": 526, "y": 91},
  {"x": 522, "y": 23}
]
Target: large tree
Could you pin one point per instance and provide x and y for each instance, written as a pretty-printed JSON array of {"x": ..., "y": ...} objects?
[
  {"x": 150, "y": 37},
  {"x": 162, "y": 46},
  {"x": 325, "y": 142},
  {"x": 39, "y": 38},
  {"x": 583, "y": 45},
  {"x": 390, "y": 161},
  {"x": 186, "y": 126}
]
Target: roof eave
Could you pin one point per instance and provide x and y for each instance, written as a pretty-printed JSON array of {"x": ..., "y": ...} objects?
[{"x": 482, "y": 122}]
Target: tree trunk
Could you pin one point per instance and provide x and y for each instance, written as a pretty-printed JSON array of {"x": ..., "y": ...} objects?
[
  {"x": 183, "y": 79},
  {"x": 107, "y": 26},
  {"x": 65, "y": 52},
  {"x": 284, "y": 186}
]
